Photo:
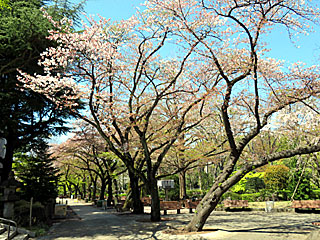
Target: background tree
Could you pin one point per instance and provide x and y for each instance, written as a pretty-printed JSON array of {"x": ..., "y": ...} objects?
[
  {"x": 276, "y": 177},
  {"x": 86, "y": 151}
]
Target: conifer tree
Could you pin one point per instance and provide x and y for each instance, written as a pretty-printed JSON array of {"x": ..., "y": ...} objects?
[{"x": 38, "y": 175}]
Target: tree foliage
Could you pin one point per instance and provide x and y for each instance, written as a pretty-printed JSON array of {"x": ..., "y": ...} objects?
[
  {"x": 38, "y": 175},
  {"x": 26, "y": 116},
  {"x": 276, "y": 177}
]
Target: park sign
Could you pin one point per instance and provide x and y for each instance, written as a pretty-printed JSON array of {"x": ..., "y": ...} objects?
[{"x": 165, "y": 184}]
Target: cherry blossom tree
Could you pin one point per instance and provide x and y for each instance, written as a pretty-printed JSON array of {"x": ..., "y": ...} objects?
[
  {"x": 139, "y": 102},
  {"x": 231, "y": 34},
  {"x": 86, "y": 151}
]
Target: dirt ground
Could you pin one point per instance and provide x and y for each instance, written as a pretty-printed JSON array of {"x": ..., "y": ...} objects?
[{"x": 91, "y": 222}]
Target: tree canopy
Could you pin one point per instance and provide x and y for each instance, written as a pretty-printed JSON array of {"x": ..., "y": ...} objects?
[{"x": 26, "y": 116}]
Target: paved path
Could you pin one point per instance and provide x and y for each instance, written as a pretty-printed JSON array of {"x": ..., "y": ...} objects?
[{"x": 99, "y": 224}]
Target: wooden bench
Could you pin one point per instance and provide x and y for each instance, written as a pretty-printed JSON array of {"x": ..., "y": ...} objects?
[
  {"x": 305, "y": 204},
  {"x": 170, "y": 205},
  {"x": 191, "y": 204},
  {"x": 235, "y": 204}
]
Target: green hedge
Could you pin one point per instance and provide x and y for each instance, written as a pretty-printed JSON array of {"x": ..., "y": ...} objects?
[
  {"x": 252, "y": 197},
  {"x": 315, "y": 194},
  {"x": 231, "y": 195}
]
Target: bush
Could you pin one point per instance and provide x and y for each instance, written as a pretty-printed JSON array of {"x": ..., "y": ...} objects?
[
  {"x": 231, "y": 195},
  {"x": 251, "y": 197},
  {"x": 315, "y": 194},
  {"x": 251, "y": 182},
  {"x": 304, "y": 190},
  {"x": 276, "y": 177},
  {"x": 22, "y": 213}
]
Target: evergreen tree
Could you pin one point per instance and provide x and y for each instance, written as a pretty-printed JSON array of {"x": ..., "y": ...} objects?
[
  {"x": 26, "y": 117},
  {"x": 38, "y": 175}
]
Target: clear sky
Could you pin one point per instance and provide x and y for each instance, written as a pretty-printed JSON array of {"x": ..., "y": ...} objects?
[{"x": 281, "y": 47}]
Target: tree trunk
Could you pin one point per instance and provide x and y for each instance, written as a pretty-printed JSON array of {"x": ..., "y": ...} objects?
[
  {"x": 224, "y": 182},
  {"x": 155, "y": 201},
  {"x": 200, "y": 170},
  {"x": 204, "y": 209},
  {"x": 115, "y": 183},
  {"x": 110, "y": 195},
  {"x": 64, "y": 190},
  {"x": 103, "y": 189},
  {"x": 94, "y": 188},
  {"x": 137, "y": 205},
  {"x": 182, "y": 185}
]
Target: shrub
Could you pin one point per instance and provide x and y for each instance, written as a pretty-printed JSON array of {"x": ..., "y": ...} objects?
[
  {"x": 315, "y": 194},
  {"x": 251, "y": 197},
  {"x": 276, "y": 177},
  {"x": 231, "y": 195},
  {"x": 251, "y": 182},
  {"x": 22, "y": 213},
  {"x": 304, "y": 190}
]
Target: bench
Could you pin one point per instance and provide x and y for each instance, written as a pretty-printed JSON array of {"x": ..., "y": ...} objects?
[
  {"x": 235, "y": 204},
  {"x": 305, "y": 204},
  {"x": 191, "y": 204},
  {"x": 170, "y": 205}
]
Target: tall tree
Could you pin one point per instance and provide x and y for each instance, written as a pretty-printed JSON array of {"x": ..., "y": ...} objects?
[
  {"x": 26, "y": 117},
  {"x": 249, "y": 83}
]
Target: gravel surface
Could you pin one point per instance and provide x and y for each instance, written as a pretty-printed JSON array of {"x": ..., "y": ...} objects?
[{"x": 94, "y": 223}]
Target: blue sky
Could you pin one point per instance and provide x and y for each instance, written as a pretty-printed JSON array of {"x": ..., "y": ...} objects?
[{"x": 281, "y": 47}]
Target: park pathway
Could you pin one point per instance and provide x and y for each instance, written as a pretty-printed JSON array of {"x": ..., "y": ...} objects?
[{"x": 98, "y": 224}]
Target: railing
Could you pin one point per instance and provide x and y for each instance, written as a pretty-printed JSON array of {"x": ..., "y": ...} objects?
[{"x": 10, "y": 222}]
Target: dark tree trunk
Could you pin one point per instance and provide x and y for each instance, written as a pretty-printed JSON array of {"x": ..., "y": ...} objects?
[
  {"x": 204, "y": 209},
  {"x": 182, "y": 185},
  {"x": 94, "y": 192},
  {"x": 94, "y": 189},
  {"x": 211, "y": 199},
  {"x": 115, "y": 183},
  {"x": 76, "y": 191},
  {"x": 135, "y": 193},
  {"x": 64, "y": 190},
  {"x": 110, "y": 194},
  {"x": 84, "y": 190},
  {"x": 103, "y": 189},
  {"x": 69, "y": 187},
  {"x": 155, "y": 201}
]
